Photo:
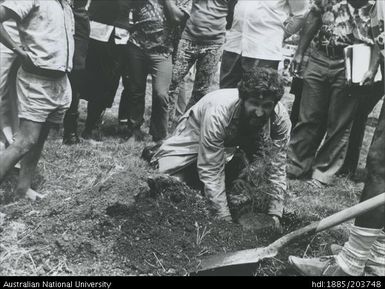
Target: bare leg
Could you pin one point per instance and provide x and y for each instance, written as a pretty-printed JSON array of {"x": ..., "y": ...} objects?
[
  {"x": 26, "y": 138},
  {"x": 28, "y": 167}
]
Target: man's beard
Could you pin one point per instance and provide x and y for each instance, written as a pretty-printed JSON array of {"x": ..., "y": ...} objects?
[{"x": 254, "y": 123}]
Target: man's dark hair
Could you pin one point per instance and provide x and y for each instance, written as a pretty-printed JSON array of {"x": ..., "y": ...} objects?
[{"x": 261, "y": 81}]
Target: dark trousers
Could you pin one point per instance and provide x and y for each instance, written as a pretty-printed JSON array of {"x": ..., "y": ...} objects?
[
  {"x": 368, "y": 97},
  {"x": 234, "y": 65},
  {"x": 326, "y": 114},
  {"x": 375, "y": 182},
  {"x": 70, "y": 122},
  {"x": 296, "y": 89},
  {"x": 106, "y": 63},
  {"x": 141, "y": 64}
]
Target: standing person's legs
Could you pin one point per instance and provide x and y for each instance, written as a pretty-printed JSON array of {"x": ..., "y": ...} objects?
[
  {"x": 161, "y": 79},
  {"x": 296, "y": 89},
  {"x": 103, "y": 77},
  {"x": 208, "y": 58},
  {"x": 138, "y": 70},
  {"x": 26, "y": 137},
  {"x": 231, "y": 70},
  {"x": 375, "y": 182},
  {"x": 309, "y": 131},
  {"x": 70, "y": 123},
  {"x": 342, "y": 106},
  {"x": 368, "y": 98},
  {"x": 184, "y": 60},
  {"x": 29, "y": 165},
  {"x": 366, "y": 245},
  {"x": 364, "y": 250},
  {"x": 124, "y": 70},
  {"x": 8, "y": 97}
]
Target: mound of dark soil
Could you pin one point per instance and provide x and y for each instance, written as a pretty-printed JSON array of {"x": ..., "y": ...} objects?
[{"x": 127, "y": 229}]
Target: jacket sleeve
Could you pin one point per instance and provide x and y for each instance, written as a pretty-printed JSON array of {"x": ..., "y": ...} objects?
[
  {"x": 276, "y": 166},
  {"x": 269, "y": 150},
  {"x": 211, "y": 158}
]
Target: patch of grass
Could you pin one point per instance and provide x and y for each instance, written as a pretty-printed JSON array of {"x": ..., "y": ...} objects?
[{"x": 67, "y": 170}]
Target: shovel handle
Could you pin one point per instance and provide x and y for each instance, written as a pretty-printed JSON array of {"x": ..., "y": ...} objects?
[
  {"x": 332, "y": 220},
  {"x": 351, "y": 213}
]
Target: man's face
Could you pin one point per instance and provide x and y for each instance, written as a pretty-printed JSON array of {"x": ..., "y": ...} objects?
[{"x": 258, "y": 110}]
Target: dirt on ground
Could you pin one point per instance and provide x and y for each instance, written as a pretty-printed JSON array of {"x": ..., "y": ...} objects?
[{"x": 128, "y": 230}]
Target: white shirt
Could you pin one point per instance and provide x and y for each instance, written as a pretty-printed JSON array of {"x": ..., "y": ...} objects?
[
  {"x": 102, "y": 32},
  {"x": 46, "y": 29},
  {"x": 259, "y": 27}
]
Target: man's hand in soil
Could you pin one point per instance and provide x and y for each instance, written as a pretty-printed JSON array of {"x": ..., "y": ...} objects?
[{"x": 277, "y": 227}]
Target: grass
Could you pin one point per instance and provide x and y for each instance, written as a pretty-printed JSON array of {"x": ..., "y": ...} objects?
[{"x": 64, "y": 170}]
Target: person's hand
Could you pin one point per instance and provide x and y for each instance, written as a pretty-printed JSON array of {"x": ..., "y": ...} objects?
[
  {"x": 23, "y": 55},
  {"x": 277, "y": 227},
  {"x": 296, "y": 64},
  {"x": 368, "y": 78}
]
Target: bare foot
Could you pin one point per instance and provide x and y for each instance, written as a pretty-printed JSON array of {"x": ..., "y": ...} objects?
[
  {"x": 29, "y": 194},
  {"x": 33, "y": 195}
]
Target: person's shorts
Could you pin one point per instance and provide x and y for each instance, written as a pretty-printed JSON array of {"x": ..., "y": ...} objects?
[{"x": 41, "y": 98}]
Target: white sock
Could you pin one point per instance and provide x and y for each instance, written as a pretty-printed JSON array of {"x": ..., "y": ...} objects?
[
  {"x": 355, "y": 253},
  {"x": 376, "y": 263}
]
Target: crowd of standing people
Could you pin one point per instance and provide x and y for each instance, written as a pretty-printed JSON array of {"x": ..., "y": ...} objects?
[{"x": 55, "y": 52}]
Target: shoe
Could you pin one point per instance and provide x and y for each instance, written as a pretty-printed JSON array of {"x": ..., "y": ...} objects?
[
  {"x": 149, "y": 151},
  {"x": 71, "y": 139},
  {"x": 70, "y": 124},
  {"x": 124, "y": 130},
  {"x": 138, "y": 134},
  {"x": 94, "y": 134},
  {"x": 323, "y": 266}
]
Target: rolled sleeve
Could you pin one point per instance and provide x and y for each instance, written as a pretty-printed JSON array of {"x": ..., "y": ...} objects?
[
  {"x": 211, "y": 160},
  {"x": 21, "y": 8}
]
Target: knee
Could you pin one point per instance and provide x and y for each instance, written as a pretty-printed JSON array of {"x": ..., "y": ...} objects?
[
  {"x": 161, "y": 98},
  {"x": 25, "y": 144}
]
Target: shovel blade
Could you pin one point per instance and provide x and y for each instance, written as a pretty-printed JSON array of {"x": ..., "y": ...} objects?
[{"x": 237, "y": 258}]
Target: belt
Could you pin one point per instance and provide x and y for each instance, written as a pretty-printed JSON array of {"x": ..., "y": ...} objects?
[
  {"x": 43, "y": 72},
  {"x": 333, "y": 52}
]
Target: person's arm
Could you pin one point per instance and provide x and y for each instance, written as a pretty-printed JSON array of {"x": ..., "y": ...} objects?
[
  {"x": 211, "y": 160},
  {"x": 275, "y": 154},
  {"x": 375, "y": 57},
  {"x": 276, "y": 167},
  {"x": 312, "y": 24},
  {"x": 298, "y": 11},
  {"x": 5, "y": 39},
  {"x": 176, "y": 14},
  {"x": 14, "y": 10}
]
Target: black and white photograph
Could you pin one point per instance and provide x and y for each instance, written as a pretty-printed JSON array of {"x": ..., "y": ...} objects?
[{"x": 191, "y": 138}]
